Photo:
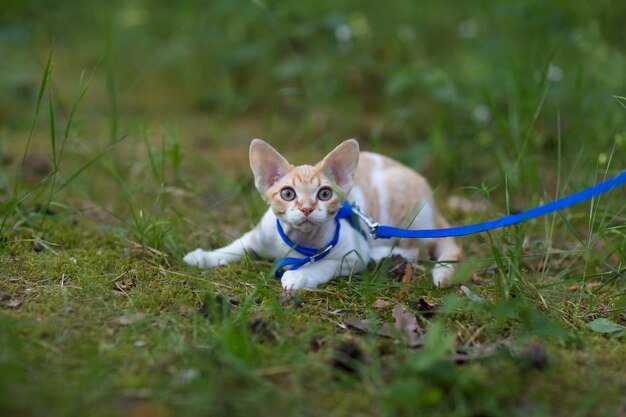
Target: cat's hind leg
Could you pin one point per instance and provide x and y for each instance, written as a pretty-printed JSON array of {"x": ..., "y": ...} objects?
[{"x": 446, "y": 252}]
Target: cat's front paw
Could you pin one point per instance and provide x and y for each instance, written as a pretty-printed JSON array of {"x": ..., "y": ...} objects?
[
  {"x": 294, "y": 280},
  {"x": 204, "y": 259}
]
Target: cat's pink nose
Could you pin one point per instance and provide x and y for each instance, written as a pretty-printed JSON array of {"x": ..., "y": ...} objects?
[{"x": 306, "y": 210}]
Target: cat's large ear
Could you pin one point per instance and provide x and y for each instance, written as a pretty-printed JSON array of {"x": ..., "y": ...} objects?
[
  {"x": 341, "y": 164},
  {"x": 267, "y": 165}
]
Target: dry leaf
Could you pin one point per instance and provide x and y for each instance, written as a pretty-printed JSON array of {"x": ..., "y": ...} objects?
[
  {"x": 124, "y": 285},
  {"x": 406, "y": 280},
  {"x": 381, "y": 303},
  {"x": 356, "y": 323},
  {"x": 405, "y": 326},
  {"x": 363, "y": 326},
  {"x": 408, "y": 274},
  {"x": 13, "y": 303},
  {"x": 262, "y": 328},
  {"x": 317, "y": 342},
  {"x": 406, "y": 323},
  {"x": 290, "y": 299},
  {"x": 348, "y": 357},
  {"x": 397, "y": 267},
  {"x": 9, "y": 302},
  {"x": 427, "y": 310},
  {"x": 220, "y": 306}
]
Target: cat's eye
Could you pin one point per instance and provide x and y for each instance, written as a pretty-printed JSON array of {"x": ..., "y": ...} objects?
[
  {"x": 325, "y": 194},
  {"x": 287, "y": 194}
]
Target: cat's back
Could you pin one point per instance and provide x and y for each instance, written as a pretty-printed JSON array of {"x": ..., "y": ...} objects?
[{"x": 389, "y": 191}]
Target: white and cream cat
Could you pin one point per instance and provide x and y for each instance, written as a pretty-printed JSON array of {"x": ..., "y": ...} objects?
[{"x": 305, "y": 200}]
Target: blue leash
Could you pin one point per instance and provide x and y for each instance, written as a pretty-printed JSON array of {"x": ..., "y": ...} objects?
[{"x": 386, "y": 232}]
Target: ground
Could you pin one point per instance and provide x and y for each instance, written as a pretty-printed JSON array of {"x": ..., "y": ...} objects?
[{"x": 124, "y": 129}]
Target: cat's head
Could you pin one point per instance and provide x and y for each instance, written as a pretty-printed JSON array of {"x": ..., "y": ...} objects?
[{"x": 304, "y": 196}]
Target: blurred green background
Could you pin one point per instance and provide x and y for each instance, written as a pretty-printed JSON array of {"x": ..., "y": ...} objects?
[
  {"x": 504, "y": 103},
  {"x": 464, "y": 90}
]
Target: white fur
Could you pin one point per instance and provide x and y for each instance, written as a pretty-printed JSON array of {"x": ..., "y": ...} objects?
[{"x": 350, "y": 255}]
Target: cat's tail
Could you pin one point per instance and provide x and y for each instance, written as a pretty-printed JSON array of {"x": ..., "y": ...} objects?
[{"x": 447, "y": 253}]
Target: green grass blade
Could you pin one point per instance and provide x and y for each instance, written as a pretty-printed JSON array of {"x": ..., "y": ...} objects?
[
  {"x": 76, "y": 103},
  {"x": 42, "y": 89},
  {"x": 621, "y": 100},
  {"x": 44, "y": 83},
  {"x": 35, "y": 187},
  {"x": 67, "y": 181},
  {"x": 53, "y": 138},
  {"x": 153, "y": 166}
]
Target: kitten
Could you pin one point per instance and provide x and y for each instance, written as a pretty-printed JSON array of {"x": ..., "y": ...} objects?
[{"x": 305, "y": 200}]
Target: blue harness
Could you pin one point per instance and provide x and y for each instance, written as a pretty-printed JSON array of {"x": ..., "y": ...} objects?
[
  {"x": 311, "y": 254},
  {"x": 353, "y": 214}
]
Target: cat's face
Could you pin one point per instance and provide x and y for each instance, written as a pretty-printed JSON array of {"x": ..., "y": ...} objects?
[{"x": 305, "y": 196}]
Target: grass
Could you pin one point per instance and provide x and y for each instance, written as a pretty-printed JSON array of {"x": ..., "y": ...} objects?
[{"x": 125, "y": 145}]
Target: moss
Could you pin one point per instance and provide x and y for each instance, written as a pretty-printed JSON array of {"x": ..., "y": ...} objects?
[{"x": 115, "y": 322}]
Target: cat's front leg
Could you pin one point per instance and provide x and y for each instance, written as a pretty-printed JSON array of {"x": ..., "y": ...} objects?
[
  {"x": 218, "y": 257},
  {"x": 311, "y": 275}
]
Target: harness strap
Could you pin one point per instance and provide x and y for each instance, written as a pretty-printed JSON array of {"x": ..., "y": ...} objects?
[
  {"x": 313, "y": 254},
  {"x": 310, "y": 254}
]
